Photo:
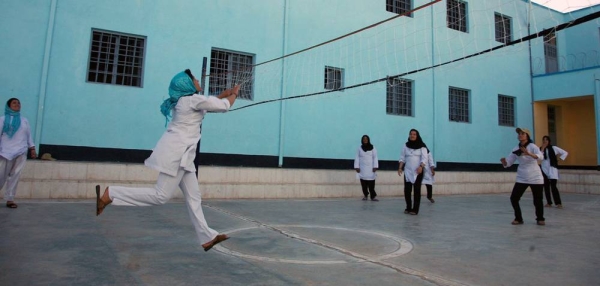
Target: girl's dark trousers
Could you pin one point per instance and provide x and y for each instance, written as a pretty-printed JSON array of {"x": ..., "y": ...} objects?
[
  {"x": 538, "y": 200},
  {"x": 408, "y": 187},
  {"x": 368, "y": 186},
  {"x": 550, "y": 184}
]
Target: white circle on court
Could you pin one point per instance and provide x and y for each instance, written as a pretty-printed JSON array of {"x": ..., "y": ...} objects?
[{"x": 400, "y": 246}]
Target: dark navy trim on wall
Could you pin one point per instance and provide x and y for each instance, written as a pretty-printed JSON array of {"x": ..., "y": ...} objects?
[{"x": 95, "y": 154}]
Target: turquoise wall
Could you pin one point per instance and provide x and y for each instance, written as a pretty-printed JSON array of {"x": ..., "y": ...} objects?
[
  {"x": 23, "y": 26},
  {"x": 180, "y": 33}
]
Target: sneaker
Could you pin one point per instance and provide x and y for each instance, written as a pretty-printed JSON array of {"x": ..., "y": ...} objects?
[
  {"x": 541, "y": 222},
  {"x": 364, "y": 199},
  {"x": 432, "y": 201},
  {"x": 374, "y": 199},
  {"x": 406, "y": 211},
  {"x": 516, "y": 222},
  {"x": 548, "y": 205},
  {"x": 559, "y": 206}
]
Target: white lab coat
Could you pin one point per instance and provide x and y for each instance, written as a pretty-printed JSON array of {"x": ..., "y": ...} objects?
[
  {"x": 10, "y": 148},
  {"x": 528, "y": 171},
  {"x": 177, "y": 146},
  {"x": 13, "y": 154},
  {"x": 412, "y": 158},
  {"x": 428, "y": 178},
  {"x": 552, "y": 172},
  {"x": 366, "y": 161}
]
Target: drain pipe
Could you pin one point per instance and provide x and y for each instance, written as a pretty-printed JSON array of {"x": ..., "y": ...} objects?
[
  {"x": 530, "y": 72},
  {"x": 44, "y": 77},
  {"x": 433, "y": 81},
  {"x": 597, "y": 112},
  {"x": 283, "y": 89}
]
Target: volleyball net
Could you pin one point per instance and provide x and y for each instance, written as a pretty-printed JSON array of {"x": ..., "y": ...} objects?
[{"x": 440, "y": 35}]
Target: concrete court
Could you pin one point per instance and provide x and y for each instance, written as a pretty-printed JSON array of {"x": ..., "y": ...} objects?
[{"x": 459, "y": 240}]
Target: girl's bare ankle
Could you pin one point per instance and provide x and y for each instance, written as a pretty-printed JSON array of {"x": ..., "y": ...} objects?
[{"x": 106, "y": 197}]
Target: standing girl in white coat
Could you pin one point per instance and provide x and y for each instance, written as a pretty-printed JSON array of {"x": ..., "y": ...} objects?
[
  {"x": 366, "y": 164},
  {"x": 174, "y": 156},
  {"x": 15, "y": 142},
  {"x": 412, "y": 161},
  {"x": 528, "y": 175},
  {"x": 429, "y": 177},
  {"x": 550, "y": 171}
]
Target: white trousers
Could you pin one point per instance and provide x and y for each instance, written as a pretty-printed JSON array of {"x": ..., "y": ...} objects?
[
  {"x": 162, "y": 192},
  {"x": 10, "y": 171}
]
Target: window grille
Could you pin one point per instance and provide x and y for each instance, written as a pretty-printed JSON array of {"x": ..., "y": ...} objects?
[
  {"x": 456, "y": 16},
  {"x": 333, "y": 78},
  {"x": 459, "y": 105},
  {"x": 503, "y": 28},
  {"x": 116, "y": 58},
  {"x": 228, "y": 69},
  {"x": 399, "y": 97},
  {"x": 399, "y": 6},
  {"x": 506, "y": 110}
]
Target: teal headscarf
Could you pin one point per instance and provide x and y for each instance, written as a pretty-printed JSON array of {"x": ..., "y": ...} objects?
[
  {"x": 181, "y": 85},
  {"x": 11, "y": 126}
]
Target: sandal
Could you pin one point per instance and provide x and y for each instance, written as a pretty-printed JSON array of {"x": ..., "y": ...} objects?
[
  {"x": 99, "y": 203},
  {"x": 11, "y": 205},
  {"x": 218, "y": 239}
]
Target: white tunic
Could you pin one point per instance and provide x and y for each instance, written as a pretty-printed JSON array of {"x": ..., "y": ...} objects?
[
  {"x": 552, "y": 172},
  {"x": 428, "y": 178},
  {"x": 412, "y": 158},
  {"x": 177, "y": 146},
  {"x": 366, "y": 161},
  {"x": 528, "y": 171},
  {"x": 10, "y": 148}
]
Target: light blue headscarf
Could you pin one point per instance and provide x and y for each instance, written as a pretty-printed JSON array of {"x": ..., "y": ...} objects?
[
  {"x": 11, "y": 126},
  {"x": 181, "y": 85}
]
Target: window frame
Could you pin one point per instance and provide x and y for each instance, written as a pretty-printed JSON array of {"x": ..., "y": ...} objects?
[
  {"x": 506, "y": 115},
  {"x": 399, "y": 6},
  {"x": 398, "y": 102},
  {"x": 459, "y": 113},
  {"x": 111, "y": 61},
  {"x": 335, "y": 71},
  {"x": 227, "y": 68},
  {"x": 501, "y": 33},
  {"x": 551, "y": 53},
  {"x": 453, "y": 19}
]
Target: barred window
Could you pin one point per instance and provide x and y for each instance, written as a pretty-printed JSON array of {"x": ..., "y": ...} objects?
[
  {"x": 456, "y": 17},
  {"x": 506, "y": 110},
  {"x": 116, "y": 58},
  {"x": 458, "y": 104},
  {"x": 334, "y": 78},
  {"x": 399, "y": 6},
  {"x": 551, "y": 52},
  {"x": 503, "y": 28},
  {"x": 227, "y": 69},
  {"x": 399, "y": 97}
]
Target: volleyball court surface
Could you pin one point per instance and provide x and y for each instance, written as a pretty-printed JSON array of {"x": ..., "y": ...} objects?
[{"x": 458, "y": 240}]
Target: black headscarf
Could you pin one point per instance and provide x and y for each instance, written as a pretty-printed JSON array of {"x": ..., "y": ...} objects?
[
  {"x": 368, "y": 146},
  {"x": 551, "y": 153},
  {"x": 518, "y": 152},
  {"x": 418, "y": 143}
]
